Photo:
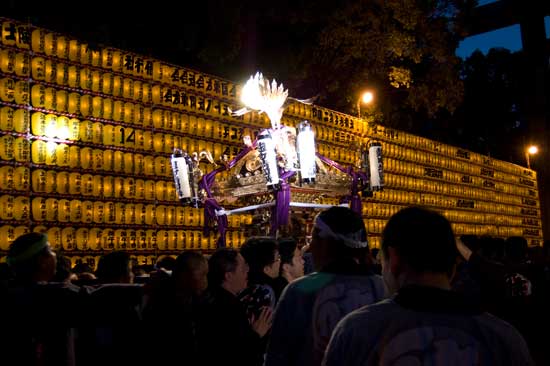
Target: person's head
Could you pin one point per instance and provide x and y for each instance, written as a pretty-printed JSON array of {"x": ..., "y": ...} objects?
[
  {"x": 31, "y": 259},
  {"x": 292, "y": 261},
  {"x": 82, "y": 267},
  {"x": 166, "y": 262},
  {"x": 516, "y": 249},
  {"x": 339, "y": 233},
  {"x": 190, "y": 272},
  {"x": 63, "y": 271},
  {"x": 228, "y": 269},
  {"x": 417, "y": 242},
  {"x": 115, "y": 267},
  {"x": 262, "y": 256}
]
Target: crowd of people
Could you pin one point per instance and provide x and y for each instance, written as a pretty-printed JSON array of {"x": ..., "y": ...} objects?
[{"x": 423, "y": 298}]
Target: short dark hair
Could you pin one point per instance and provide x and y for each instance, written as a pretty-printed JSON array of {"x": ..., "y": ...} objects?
[
  {"x": 21, "y": 259},
  {"x": 167, "y": 262},
  {"x": 287, "y": 247},
  {"x": 188, "y": 261},
  {"x": 423, "y": 238},
  {"x": 223, "y": 260},
  {"x": 113, "y": 266},
  {"x": 342, "y": 220},
  {"x": 516, "y": 248},
  {"x": 63, "y": 269},
  {"x": 258, "y": 251}
]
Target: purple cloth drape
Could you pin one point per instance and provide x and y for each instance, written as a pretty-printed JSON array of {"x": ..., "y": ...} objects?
[
  {"x": 281, "y": 210},
  {"x": 211, "y": 205},
  {"x": 353, "y": 198}
]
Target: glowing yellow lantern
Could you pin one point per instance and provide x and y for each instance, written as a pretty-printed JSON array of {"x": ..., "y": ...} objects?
[
  {"x": 82, "y": 236},
  {"x": 86, "y": 157},
  {"x": 18, "y": 120},
  {"x": 117, "y": 86},
  {"x": 118, "y": 187},
  {"x": 8, "y": 236},
  {"x": 108, "y": 186},
  {"x": 7, "y": 89},
  {"x": 128, "y": 163},
  {"x": 150, "y": 215},
  {"x": 150, "y": 190},
  {"x": 86, "y": 105},
  {"x": 158, "y": 142},
  {"x": 7, "y": 115},
  {"x": 147, "y": 93},
  {"x": 96, "y": 81},
  {"x": 118, "y": 158},
  {"x": 128, "y": 113},
  {"x": 108, "y": 239},
  {"x": 63, "y": 210},
  {"x": 21, "y": 178},
  {"x": 139, "y": 189},
  {"x": 21, "y": 150}
]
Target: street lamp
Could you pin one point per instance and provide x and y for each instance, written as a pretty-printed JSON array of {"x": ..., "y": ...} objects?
[
  {"x": 531, "y": 150},
  {"x": 366, "y": 98}
]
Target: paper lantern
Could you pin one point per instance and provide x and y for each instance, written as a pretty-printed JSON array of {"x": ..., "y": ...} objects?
[
  {"x": 128, "y": 166},
  {"x": 376, "y": 166},
  {"x": 75, "y": 183},
  {"x": 85, "y": 78},
  {"x": 86, "y": 105},
  {"x": 150, "y": 190},
  {"x": 139, "y": 189},
  {"x": 74, "y": 50},
  {"x": 7, "y": 115},
  {"x": 108, "y": 186},
  {"x": 120, "y": 212},
  {"x": 21, "y": 178},
  {"x": 305, "y": 145},
  {"x": 7, "y": 89},
  {"x": 22, "y": 150},
  {"x": 39, "y": 209},
  {"x": 86, "y": 158},
  {"x": 118, "y": 161},
  {"x": 7, "y": 147},
  {"x": 6, "y": 206},
  {"x": 21, "y": 92},
  {"x": 146, "y": 93},
  {"x": 8, "y": 236},
  {"x": 68, "y": 237},
  {"x": 128, "y": 88},
  {"x": 62, "y": 74},
  {"x": 63, "y": 210},
  {"x": 52, "y": 208},
  {"x": 105, "y": 134},
  {"x": 131, "y": 242},
  {"x": 150, "y": 215},
  {"x": 108, "y": 239},
  {"x": 7, "y": 61},
  {"x": 96, "y": 82},
  {"x": 130, "y": 215},
  {"x": 20, "y": 121},
  {"x": 118, "y": 111},
  {"x": 57, "y": 181},
  {"x": 117, "y": 86},
  {"x": 266, "y": 149},
  {"x": 182, "y": 240},
  {"x": 82, "y": 236},
  {"x": 128, "y": 113},
  {"x": 129, "y": 187},
  {"x": 87, "y": 184},
  {"x": 109, "y": 212},
  {"x": 139, "y": 213},
  {"x": 74, "y": 76},
  {"x": 118, "y": 187},
  {"x": 182, "y": 171}
]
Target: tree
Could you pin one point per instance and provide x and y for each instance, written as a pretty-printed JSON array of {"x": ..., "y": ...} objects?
[{"x": 405, "y": 49}]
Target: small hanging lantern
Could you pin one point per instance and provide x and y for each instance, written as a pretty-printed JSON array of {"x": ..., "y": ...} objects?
[
  {"x": 182, "y": 176},
  {"x": 266, "y": 149},
  {"x": 305, "y": 144},
  {"x": 376, "y": 166}
]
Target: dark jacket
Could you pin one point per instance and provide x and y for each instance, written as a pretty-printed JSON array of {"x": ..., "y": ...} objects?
[{"x": 225, "y": 334}]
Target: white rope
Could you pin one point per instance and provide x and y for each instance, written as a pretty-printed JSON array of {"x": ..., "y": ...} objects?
[
  {"x": 270, "y": 204},
  {"x": 352, "y": 240}
]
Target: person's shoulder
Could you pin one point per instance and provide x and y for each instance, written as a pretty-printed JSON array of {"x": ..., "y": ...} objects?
[
  {"x": 372, "y": 313},
  {"x": 498, "y": 327}
]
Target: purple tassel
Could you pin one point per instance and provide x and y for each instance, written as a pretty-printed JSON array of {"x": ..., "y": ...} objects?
[{"x": 281, "y": 210}]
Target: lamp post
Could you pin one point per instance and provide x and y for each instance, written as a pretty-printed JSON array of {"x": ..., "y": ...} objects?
[
  {"x": 366, "y": 98},
  {"x": 531, "y": 150}
]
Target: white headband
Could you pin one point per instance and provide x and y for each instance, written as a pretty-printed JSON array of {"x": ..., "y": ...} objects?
[{"x": 352, "y": 240}]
